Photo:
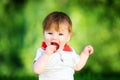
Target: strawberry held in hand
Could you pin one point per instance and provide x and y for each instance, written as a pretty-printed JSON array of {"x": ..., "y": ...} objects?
[
  {"x": 55, "y": 44},
  {"x": 50, "y": 47}
]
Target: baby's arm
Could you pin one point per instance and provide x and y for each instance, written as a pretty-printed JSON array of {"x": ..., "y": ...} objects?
[
  {"x": 39, "y": 65},
  {"x": 88, "y": 50}
]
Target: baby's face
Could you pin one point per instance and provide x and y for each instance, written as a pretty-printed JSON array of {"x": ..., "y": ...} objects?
[{"x": 61, "y": 37}]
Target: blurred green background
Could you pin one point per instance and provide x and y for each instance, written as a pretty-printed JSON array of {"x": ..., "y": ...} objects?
[{"x": 95, "y": 22}]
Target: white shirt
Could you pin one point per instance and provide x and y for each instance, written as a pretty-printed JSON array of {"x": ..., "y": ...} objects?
[{"x": 60, "y": 65}]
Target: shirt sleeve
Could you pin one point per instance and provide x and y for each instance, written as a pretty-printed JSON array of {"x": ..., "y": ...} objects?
[
  {"x": 39, "y": 53},
  {"x": 76, "y": 57}
]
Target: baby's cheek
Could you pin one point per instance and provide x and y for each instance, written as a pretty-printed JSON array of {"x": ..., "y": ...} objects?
[
  {"x": 62, "y": 45},
  {"x": 47, "y": 41}
]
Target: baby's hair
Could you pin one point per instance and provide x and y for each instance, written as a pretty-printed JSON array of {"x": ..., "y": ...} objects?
[{"x": 57, "y": 18}]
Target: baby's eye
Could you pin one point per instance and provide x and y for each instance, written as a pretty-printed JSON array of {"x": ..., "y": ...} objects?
[
  {"x": 50, "y": 33},
  {"x": 60, "y": 34}
]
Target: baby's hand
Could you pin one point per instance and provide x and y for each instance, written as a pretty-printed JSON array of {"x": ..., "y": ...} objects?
[
  {"x": 88, "y": 49},
  {"x": 50, "y": 49}
]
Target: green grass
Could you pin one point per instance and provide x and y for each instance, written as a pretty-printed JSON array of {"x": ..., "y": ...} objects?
[
  {"x": 18, "y": 78},
  {"x": 77, "y": 76},
  {"x": 92, "y": 76}
]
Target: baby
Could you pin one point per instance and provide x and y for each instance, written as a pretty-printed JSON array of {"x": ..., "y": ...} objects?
[{"x": 56, "y": 60}]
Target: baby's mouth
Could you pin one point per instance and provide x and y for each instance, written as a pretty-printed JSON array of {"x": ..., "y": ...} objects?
[{"x": 55, "y": 44}]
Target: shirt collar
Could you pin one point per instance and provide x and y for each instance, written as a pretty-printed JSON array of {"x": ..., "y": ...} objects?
[{"x": 66, "y": 47}]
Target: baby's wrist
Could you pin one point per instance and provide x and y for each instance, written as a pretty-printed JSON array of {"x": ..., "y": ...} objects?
[
  {"x": 86, "y": 53},
  {"x": 47, "y": 53}
]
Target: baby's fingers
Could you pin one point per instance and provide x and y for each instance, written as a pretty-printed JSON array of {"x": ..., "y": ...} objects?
[{"x": 90, "y": 49}]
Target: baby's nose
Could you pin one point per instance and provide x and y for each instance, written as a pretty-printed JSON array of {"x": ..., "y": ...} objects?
[{"x": 55, "y": 36}]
